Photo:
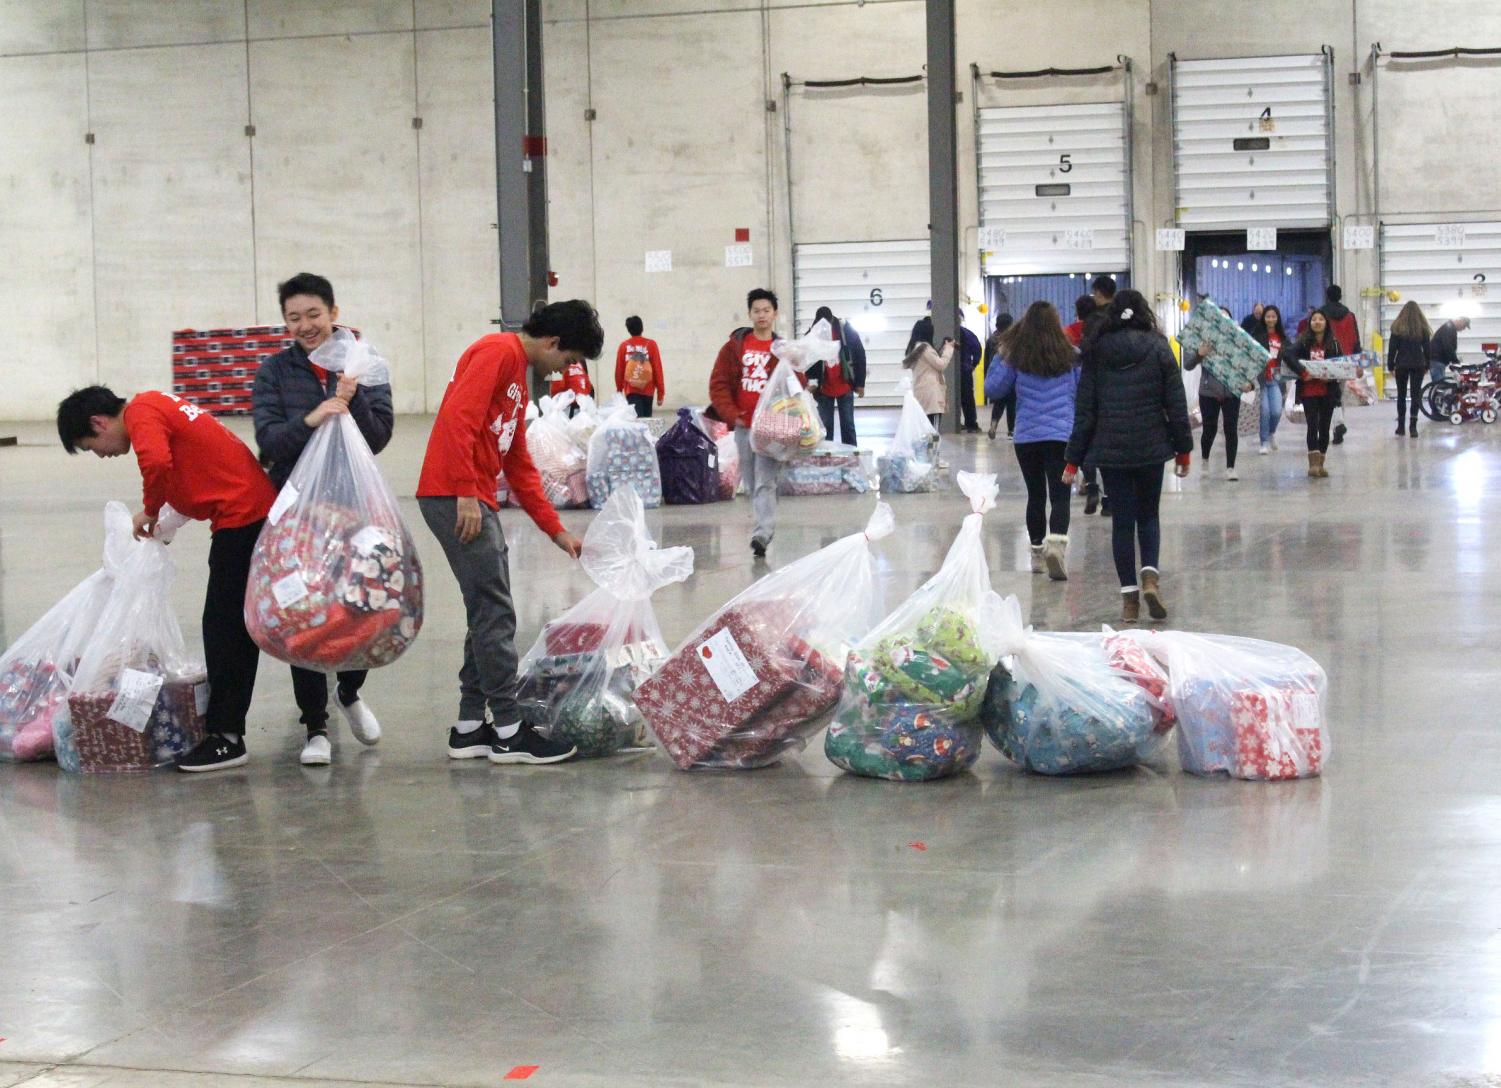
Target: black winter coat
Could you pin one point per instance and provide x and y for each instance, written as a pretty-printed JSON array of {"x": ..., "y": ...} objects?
[
  {"x": 1444, "y": 347},
  {"x": 286, "y": 390},
  {"x": 1130, "y": 411},
  {"x": 1406, "y": 353}
]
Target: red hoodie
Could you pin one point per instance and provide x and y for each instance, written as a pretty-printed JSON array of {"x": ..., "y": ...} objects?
[
  {"x": 191, "y": 460},
  {"x": 574, "y": 376},
  {"x": 636, "y": 347},
  {"x": 482, "y": 423}
]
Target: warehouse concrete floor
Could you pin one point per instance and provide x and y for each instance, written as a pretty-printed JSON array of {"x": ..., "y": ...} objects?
[{"x": 399, "y": 919}]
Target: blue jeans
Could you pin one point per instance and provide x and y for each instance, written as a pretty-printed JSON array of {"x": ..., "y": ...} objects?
[
  {"x": 846, "y": 406},
  {"x": 1437, "y": 370},
  {"x": 1135, "y": 498},
  {"x": 1273, "y": 395}
]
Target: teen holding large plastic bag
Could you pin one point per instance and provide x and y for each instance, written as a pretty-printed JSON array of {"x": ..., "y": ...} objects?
[
  {"x": 190, "y": 460},
  {"x": 479, "y": 429},
  {"x": 293, "y": 395}
]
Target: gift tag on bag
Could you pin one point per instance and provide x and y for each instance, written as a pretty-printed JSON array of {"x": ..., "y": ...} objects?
[
  {"x": 289, "y": 589},
  {"x": 136, "y": 699},
  {"x": 284, "y": 500},
  {"x": 727, "y": 665}
]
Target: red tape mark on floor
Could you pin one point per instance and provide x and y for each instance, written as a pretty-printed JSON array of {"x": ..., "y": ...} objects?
[
  {"x": 522, "y": 1072},
  {"x": 918, "y": 845}
]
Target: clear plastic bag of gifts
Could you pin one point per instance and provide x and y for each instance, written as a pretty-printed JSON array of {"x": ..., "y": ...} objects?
[
  {"x": 335, "y": 582},
  {"x": 763, "y": 673},
  {"x": 579, "y": 679}
]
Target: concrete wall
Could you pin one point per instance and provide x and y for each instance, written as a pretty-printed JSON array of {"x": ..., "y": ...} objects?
[{"x": 174, "y": 217}]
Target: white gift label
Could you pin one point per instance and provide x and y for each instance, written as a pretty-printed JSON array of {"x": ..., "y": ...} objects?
[
  {"x": 283, "y": 501},
  {"x": 732, "y": 674},
  {"x": 366, "y": 539},
  {"x": 200, "y": 698},
  {"x": 1306, "y": 712},
  {"x": 289, "y": 590},
  {"x": 136, "y": 699}
]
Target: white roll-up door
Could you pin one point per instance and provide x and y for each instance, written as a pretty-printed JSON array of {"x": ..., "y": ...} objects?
[
  {"x": 1251, "y": 142},
  {"x": 1056, "y": 181},
  {"x": 1437, "y": 264},
  {"x": 882, "y": 288}
]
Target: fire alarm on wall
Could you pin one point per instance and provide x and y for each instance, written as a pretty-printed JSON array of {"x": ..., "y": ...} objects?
[{"x": 742, "y": 234}]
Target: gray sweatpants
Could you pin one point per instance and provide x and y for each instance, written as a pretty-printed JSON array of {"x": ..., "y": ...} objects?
[
  {"x": 761, "y": 476},
  {"x": 488, "y": 677}
]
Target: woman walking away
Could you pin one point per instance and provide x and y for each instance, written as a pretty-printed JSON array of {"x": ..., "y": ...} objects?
[
  {"x": 1319, "y": 398},
  {"x": 1131, "y": 416},
  {"x": 1215, "y": 400},
  {"x": 1270, "y": 335},
  {"x": 1007, "y": 405},
  {"x": 1036, "y": 365},
  {"x": 1407, "y": 355}
]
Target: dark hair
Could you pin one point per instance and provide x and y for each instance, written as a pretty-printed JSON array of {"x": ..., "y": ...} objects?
[
  {"x": 305, "y": 283},
  {"x": 633, "y": 326},
  {"x": 1003, "y": 321},
  {"x": 574, "y": 323},
  {"x": 1104, "y": 284},
  {"x": 80, "y": 406},
  {"x": 758, "y": 294},
  {"x": 1333, "y": 294},
  {"x": 1133, "y": 303},
  {"x": 1085, "y": 305},
  {"x": 1036, "y": 344},
  {"x": 1327, "y": 340},
  {"x": 823, "y": 313},
  {"x": 1274, "y": 308}
]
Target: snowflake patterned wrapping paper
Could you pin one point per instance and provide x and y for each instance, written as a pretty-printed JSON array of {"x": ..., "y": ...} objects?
[
  {"x": 335, "y": 582},
  {"x": 1246, "y": 708},
  {"x": 762, "y": 665},
  {"x": 36, "y": 671},
  {"x": 1235, "y": 358},
  {"x": 622, "y": 452},
  {"x": 105, "y": 746},
  {"x": 689, "y": 462},
  {"x": 914, "y": 686},
  {"x": 579, "y": 680}
]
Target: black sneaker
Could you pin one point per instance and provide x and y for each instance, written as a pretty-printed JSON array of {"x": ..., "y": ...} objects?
[
  {"x": 758, "y": 547},
  {"x": 472, "y": 745},
  {"x": 1339, "y": 434},
  {"x": 1104, "y": 506},
  {"x": 530, "y": 746},
  {"x": 215, "y": 752}
]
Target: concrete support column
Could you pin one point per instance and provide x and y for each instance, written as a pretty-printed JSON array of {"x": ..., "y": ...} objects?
[{"x": 943, "y": 189}]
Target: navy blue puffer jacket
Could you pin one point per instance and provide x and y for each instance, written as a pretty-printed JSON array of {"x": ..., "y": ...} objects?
[{"x": 1130, "y": 411}]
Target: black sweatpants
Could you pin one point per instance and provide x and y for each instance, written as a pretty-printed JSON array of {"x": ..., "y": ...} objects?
[
  {"x": 1006, "y": 404},
  {"x": 229, "y": 652},
  {"x": 1319, "y": 412},
  {"x": 1211, "y": 409},
  {"x": 310, "y": 689},
  {"x": 1042, "y": 471}
]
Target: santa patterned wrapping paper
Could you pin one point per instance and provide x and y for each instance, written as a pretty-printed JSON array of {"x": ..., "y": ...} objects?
[
  {"x": 720, "y": 680},
  {"x": 1235, "y": 358},
  {"x": 629, "y": 457},
  {"x": 901, "y": 742},
  {"x": 105, "y": 746},
  {"x": 327, "y": 593}
]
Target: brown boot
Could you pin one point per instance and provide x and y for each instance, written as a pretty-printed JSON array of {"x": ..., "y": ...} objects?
[
  {"x": 1151, "y": 592},
  {"x": 1130, "y": 606},
  {"x": 1313, "y": 463},
  {"x": 1319, "y": 470}
]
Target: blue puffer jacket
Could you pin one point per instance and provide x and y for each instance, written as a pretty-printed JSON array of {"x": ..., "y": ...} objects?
[{"x": 1044, "y": 406}]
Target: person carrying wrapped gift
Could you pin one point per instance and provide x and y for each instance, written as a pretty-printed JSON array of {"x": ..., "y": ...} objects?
[
  {"x": 1216, "y": 399},
  {"x": 741, "y": 370},
  {"x": 1346, "y": 333},
  {"x": 292, "y": 396},
  {"x": 1130, "y": 416},
  {"x": 1036, "y": 364},
  {"x": 839, "y": 382},
  {"x": 190, "y": 460},
  {"x": 480, "y": 428},
  {"x": 1318, "y": 397},
  {"x": 638, "y": 369}
]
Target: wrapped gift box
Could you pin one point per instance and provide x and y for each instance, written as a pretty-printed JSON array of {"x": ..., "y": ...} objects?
[
  {"x": 1278, "y": 734},
  {"x": 1235, "y": 358},
  {"x": 104, "y": 746},
  {"x": 787, "y": 722}
]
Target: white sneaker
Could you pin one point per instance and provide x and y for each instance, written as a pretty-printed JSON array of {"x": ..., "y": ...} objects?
[
  {"x": 317, "y": 752},
  {"x": 1274, "y": 443},
  {"x": 1230, "y": 474},
  {"x": 943, "y": 465},
  {"x": 361, "y": 721},
  {"x": 1265, "y": 449}
]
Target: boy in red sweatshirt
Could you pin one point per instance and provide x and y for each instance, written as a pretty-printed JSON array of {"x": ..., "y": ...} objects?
[
  {"x": 740, "y": 373},
  {"x": 190, "y": 460},
  {"x": 638, "y": 369},
  {"x": 480, "y": 428}
]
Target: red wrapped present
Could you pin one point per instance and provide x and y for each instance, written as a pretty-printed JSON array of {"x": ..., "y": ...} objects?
[
  {"x": 787, "y": 721},
  {"x": 1126, "y": 655},
  {"x": 719, "y": 681},
  {"x": 1278, "y": 734},
  {"x": 585, "y": 638}
]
